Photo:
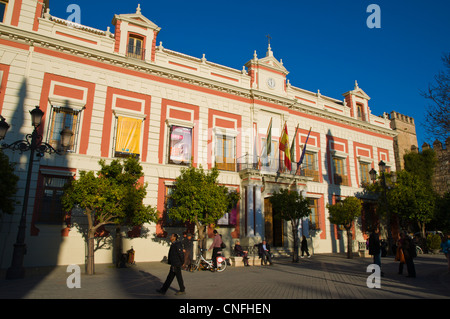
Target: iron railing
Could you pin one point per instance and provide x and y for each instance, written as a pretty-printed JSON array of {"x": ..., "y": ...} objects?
[
  {"x": 136, "y": 52},
  {"x": 268, "y": 165}
]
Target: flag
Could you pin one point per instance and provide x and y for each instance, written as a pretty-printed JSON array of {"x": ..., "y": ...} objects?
[
  {"x": 284, "y": 139},
  {"x": 284, "y": 146},
  {"x": 304, "y": 150},
  {"x": 267, "y": 147},
  {"x": 293, "y": 145},
  {"x": 269, "y": 139}
]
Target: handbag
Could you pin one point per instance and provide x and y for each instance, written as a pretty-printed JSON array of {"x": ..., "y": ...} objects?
[
  {"x": 222, "y": 245},
  {"x": 399, "y": 256}
]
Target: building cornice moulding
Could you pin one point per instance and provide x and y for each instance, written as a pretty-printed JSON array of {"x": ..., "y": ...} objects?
[{"x": 33, "y": 39}]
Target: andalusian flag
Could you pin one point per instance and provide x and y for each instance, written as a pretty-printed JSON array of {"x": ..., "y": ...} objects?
[
  {"x": 284, "y": 146},
  {"x": 267, "y": 148}
]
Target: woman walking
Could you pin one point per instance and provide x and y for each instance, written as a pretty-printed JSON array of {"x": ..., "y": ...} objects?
[{"x": 304, "y": 247}]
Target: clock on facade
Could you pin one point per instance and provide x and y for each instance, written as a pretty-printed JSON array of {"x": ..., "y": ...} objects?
[{"x": 271, "y": 83}]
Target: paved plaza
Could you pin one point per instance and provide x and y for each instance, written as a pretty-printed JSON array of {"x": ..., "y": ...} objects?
[{"x": 323, "y": 276}]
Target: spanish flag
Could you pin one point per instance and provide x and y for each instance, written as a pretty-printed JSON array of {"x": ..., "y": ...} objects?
[{"x": 285, "y": 147}]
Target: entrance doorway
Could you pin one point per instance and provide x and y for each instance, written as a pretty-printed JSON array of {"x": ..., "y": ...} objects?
[{"x": 273, "y": 227}]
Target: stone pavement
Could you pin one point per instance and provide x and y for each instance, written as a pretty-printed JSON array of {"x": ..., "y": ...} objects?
[{"x": 323, "y": 276}]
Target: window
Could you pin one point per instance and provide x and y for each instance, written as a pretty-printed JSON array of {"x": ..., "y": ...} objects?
[
  {"x": 61, "y": 118},
  {"x": 229, "y": 218},
  {"x": 51, "y": 210},
  {"x": 340, "y": 176},
  {"x": 136, "y": 48},
  {"x": 3, "y": 7},
  {"x": 310, "y": 166},
  {"x": 168, "y": 204},
  {"x": 314, "y": 217},
  {"x": 364, "y": 169},
  {"x": 180, "y": 145},
  {"x": 225, "y": 153},
  {"x": 128, "y": 136},
  {"x": 360, "y": 112}
]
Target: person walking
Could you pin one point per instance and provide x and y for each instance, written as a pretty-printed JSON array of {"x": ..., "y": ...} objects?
[
  {"x": 175, "y": 260},
  {"x": 445, "y": 245},
  {"x": 304, "y": 246},
  {"x": 216, "y": 246},
  {"x": 409, "y": 250},
  {"x": 399, "y": 256}
]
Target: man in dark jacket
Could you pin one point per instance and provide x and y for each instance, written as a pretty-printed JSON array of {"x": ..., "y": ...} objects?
[
  {"x": 264, "y": 253},
  {"x": 175, "y": 260}
]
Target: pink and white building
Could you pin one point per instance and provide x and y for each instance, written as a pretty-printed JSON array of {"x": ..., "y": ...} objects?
[{"x": 123, "y": 93}]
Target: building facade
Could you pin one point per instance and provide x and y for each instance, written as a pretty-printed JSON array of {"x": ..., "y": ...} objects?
[{"x": 123, "y": 94}]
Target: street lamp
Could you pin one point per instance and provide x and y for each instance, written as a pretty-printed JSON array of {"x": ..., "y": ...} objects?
[
  {"x": 373, "y": 175},
  {"x": 32, "y": 142},
  {"x": 382, "y": 166}
]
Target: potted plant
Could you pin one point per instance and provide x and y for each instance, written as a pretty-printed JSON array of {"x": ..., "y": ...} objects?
[{"x": 434, "y": 243}]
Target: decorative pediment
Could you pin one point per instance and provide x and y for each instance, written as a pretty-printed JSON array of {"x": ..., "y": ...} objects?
[
  {"x": 268, "y": 61},
  {"x": 357, "y": 91},
  {"x": 137, "y": 19}
]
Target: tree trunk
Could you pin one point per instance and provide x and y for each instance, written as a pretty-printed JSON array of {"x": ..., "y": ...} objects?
[
  {"x": 90, "y": 257},
  {"x": 349, "y": 243},
  {"x": 201, "y": 229},
  {"x": 118, "y": 247},
  {"x": 295, "y": 237}
]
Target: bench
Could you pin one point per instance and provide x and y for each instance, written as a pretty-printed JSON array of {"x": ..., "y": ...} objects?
[{"x": 253, "y": 259}]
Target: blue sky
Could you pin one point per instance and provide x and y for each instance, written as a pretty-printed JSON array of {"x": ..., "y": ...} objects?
[{"x": 325, "y": 44}]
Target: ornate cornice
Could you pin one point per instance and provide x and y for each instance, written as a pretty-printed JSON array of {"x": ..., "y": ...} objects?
[{"x": 35, "y": 39}]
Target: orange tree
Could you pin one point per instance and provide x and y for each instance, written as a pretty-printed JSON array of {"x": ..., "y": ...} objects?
[
  {"x": 344, "y": 213},
  {"x": 111, "y": 196},
  {"x": 199, "y": 198},
  {"x": 290, "y": 206}
]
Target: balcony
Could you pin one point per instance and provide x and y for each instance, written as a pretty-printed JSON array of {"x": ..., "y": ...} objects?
[
  {"x": 274, "y": 166},
  {"x": 136, "y": 52}
]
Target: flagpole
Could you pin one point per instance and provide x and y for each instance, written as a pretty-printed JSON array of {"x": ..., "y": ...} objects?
[{"x": 303, "y": 152}]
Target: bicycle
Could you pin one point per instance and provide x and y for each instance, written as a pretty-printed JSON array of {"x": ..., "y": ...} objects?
[
  {"x": 419, "y": 250},
  {"x": 206, "y": 264}
]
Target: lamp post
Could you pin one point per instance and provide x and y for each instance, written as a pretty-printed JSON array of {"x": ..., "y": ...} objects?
[
  {"x": 33, "y": 143},
  {"x": 382, "y": 166}
]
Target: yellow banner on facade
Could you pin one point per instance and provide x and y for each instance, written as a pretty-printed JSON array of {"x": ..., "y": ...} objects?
[{"x": 128, "y": 136}]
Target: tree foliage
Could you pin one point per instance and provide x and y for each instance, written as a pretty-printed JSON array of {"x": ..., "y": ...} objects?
[
  {"x": 412, "y": 198},
  {"x": 344, "y": 213},
  {"x": 112, "y": 196},
  {"x": 421, "y": 164},
  {"x": 290, "y": 206},
  {"x": 437, "y": 119},
  {"x": 198, "y": 198},
  {"x": 8, "y": 184}
]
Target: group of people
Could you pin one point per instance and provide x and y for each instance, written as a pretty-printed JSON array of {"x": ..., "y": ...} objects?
[
  {"x": 181, "y": 253},
  {"x": 405, "y": 251},
  {"x": 264, "y": 251},
  {"x": 180, "y": 258}
]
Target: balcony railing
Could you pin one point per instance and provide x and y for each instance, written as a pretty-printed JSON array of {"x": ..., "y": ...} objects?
[
  {"x": 268, "y": 165},
  {"x": 136, "y": 52}
]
